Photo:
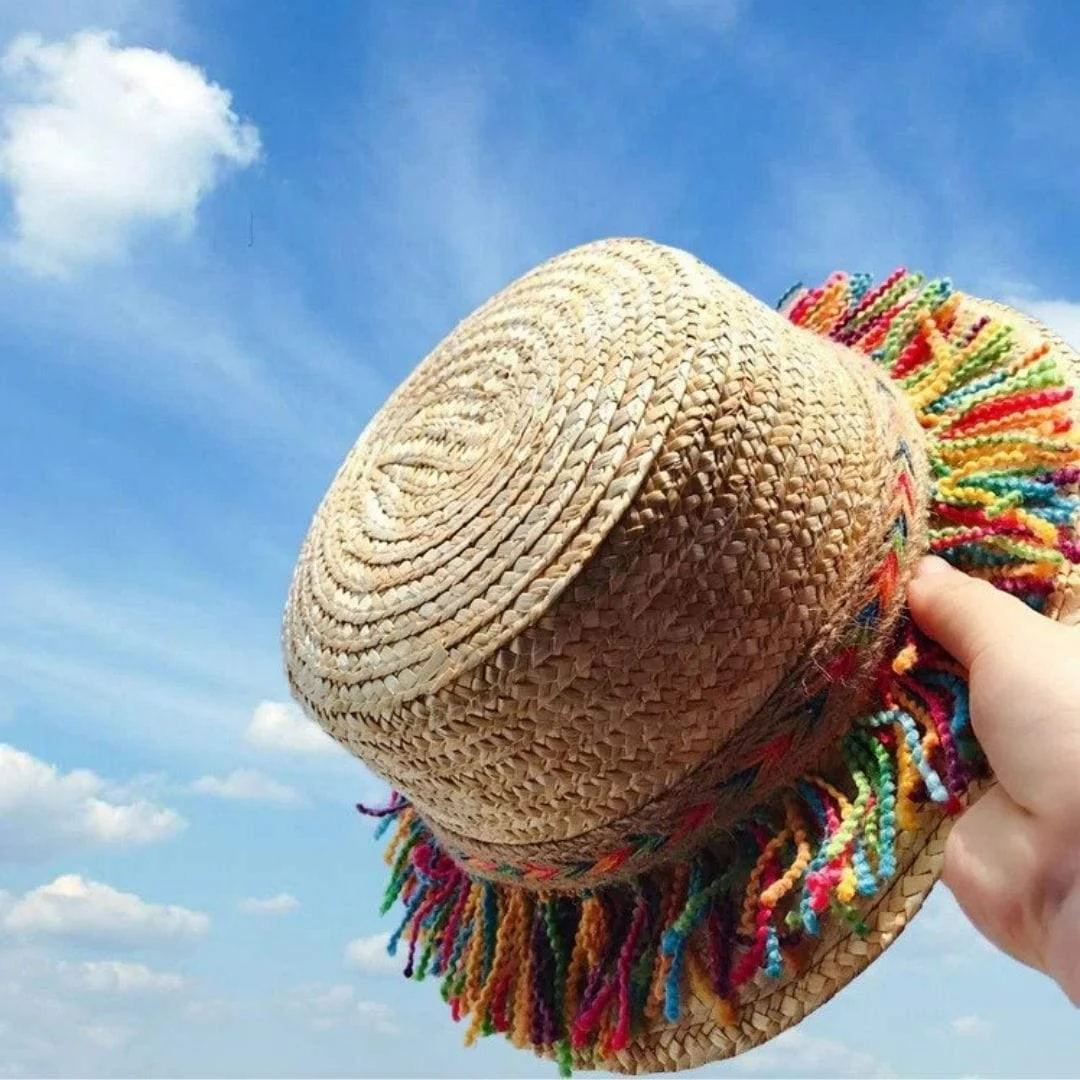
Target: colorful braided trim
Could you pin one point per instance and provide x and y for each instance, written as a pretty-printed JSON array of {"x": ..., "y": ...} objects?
[{"x": 576, "y": 975}]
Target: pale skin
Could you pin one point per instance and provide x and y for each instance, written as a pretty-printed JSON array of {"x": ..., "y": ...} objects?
[{"x": 1013, "y": 859}]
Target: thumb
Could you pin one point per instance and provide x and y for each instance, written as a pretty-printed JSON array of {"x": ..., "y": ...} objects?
[
  {"x": 967, "y": 616},
  {"x": 1022, "y": 669}
]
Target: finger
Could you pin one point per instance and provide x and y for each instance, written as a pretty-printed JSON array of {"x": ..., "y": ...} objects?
[
  {"x": 1023, "y": 668},
  {"x": 992, "y": 864},
  {"x": 1063, "y": 945},
  {"x": 967, "y": 616}
]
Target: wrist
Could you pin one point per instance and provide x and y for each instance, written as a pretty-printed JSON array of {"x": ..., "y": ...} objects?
[
  {"x": 1063, "y": 946},
  {"x": 1062, "y": 909}
]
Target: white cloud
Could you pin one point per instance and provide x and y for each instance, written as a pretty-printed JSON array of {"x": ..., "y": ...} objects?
[
  {"x": 101, "y": 140},
  {"x": 793, "y": 1053},
  {"x": 246, "y": 785},
  {"x": 279, "y": 725},
  {"x": 44, "y": 812},
  {"x": 272, "y": 905},
  {"x": 369, "y": 955},
  {"x": 119, "y": 977},
  {"x": 970, "y": 1027},
  {"x": 75, "y": 909}
]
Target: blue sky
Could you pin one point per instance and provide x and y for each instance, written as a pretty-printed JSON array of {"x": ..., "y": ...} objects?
[{"x": 204, "y": 302}]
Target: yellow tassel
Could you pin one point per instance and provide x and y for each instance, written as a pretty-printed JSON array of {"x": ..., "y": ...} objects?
[
  {"x": 722, "y": 1012},
  {"x": 750, "y": 899},
  {"x": 906, "y": 782},
  {"x": 905, "y": 659},
  {"x": 580, "y": 957},
  {"x": 845, "y": 887},
  {"x": 772, "y": 896},
  {"x": 405, "y": 819},
  {"x": 944, "y": 362},
  {"x": 521, "y": 963},
  {"x": 504, "y": 945},
  {"x": 473, "y": 952}
]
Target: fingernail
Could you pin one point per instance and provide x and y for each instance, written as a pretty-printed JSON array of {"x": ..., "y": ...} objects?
[{"x": 931, "y": 566}]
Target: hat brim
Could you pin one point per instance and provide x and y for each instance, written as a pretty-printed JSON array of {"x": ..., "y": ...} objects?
[{"x": 839, "y": 955}]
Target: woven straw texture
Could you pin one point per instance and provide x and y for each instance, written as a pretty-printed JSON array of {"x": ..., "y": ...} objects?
[
  {"x": 622, "y": 491},
  {"x": 589, "y": 558}
]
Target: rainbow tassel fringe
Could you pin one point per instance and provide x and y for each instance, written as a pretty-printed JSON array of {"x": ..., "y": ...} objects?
[{"x": 574, "y": 975}]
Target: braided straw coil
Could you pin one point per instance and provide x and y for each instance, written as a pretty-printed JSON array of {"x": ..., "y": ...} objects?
[
  {"x": 622, "y": 491},
  {"x": 618, "y": 566}
]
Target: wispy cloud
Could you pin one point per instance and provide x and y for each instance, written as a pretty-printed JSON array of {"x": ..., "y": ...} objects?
[
  {"x": 376, "y": 1017},
  {"x": 336, "y": 1006},
  {"x": 853, "y": 209},
  {"x": 940, "y": 937},
  {"x": 970, "y": 1027},
  {"x": 229, "y": 353},
  {"x": 456, "y": 199},
  {"x": 246, "y": 785},
  {"x": 119, "y": 977},
  {"x": 281, "y": 904},
  {"x": 106, "y": 1036},
  {"x": 842, "y": 195},
  {"x": 794, "y": 1053},
  {"x": 62, "y": 1017},
  {"x": 997, "y": 26},
  {"x": 171, "y": 671},
  {"x": 1063, "y": 316},
  {"x": 369, "y": 955},
  {"x": 467, "y": 185}
]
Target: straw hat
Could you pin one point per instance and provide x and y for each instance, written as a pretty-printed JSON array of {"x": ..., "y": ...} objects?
[{"x": 611, "y": 591}]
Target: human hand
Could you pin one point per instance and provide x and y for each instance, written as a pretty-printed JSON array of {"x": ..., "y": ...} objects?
[{"x": 1013, "y": 859}]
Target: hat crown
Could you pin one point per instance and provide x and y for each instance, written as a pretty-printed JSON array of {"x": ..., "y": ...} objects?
[{"x": 592, "y": 548}]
